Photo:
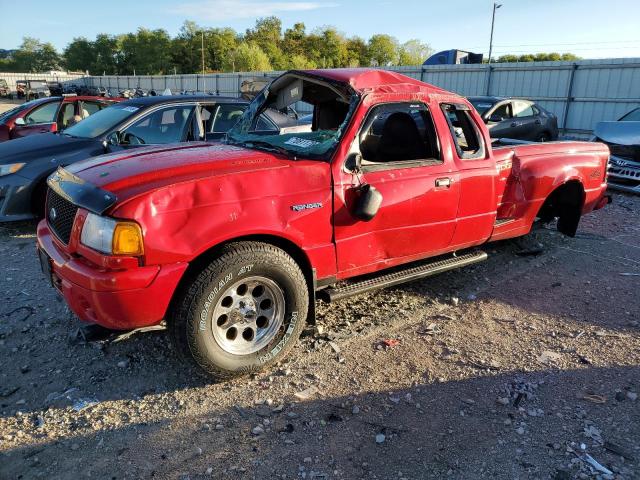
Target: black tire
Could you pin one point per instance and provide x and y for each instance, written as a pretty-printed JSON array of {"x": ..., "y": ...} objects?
[{"x": 191, "y": 323}]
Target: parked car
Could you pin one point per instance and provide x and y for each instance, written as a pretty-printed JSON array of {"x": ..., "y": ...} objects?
[
  {"x": 32, "y": 89},
  {"x": 516, "y": 118},
  {"x": 56, "y": 88},
  {"x": 51, "y": 114},
  {"x": 21, "y": 88},
  {"x": 5, "y": 91},
  {"x": 25, "y": 163},
  {"x": 623, "y": 139},
  {"x": 230, "y": 243}
]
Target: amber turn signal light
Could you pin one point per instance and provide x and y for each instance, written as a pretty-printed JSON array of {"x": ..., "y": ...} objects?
[{"x": 127, "y": 239}]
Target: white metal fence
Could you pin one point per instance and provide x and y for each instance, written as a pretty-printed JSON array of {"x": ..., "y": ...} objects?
[
  {"x": 580, "y": 93},
  {"x": 12, "y": 78}
]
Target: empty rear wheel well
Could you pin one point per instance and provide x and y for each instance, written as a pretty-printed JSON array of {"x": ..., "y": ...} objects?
[
  {"x": 564, "y": 203},
  {"x": 204, "y": 259}
]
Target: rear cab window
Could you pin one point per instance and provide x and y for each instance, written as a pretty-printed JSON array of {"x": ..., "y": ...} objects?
[{"x": 464, "y": 131}]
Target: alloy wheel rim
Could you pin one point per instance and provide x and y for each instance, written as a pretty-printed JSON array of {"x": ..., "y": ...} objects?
[{"x": 248, "y": 315}]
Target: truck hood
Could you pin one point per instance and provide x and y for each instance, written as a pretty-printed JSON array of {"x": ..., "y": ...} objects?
[
  {"x": 621, "y": 133},
  {"x": 41, "y": 146},
  {"x": 135, "y": 171}
]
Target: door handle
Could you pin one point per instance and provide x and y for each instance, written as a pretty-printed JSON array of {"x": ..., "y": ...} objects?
[
  {"x": 514, "y": 124},
  {"x": 443, "y": 182},
  {"x": 538, "y": 121}
]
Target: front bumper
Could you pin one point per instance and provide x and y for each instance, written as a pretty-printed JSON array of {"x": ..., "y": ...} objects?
[
  {"x": 15, "y": 198},
  {"x": 624, "y": 175},
  {"x": 115, "y": 299}
]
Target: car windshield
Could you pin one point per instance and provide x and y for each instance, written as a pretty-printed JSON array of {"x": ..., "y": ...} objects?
[
  {"x": 102, "y": 121},
  {"x": 10, "y": 113},
  {"x": 332, "y": 109},
  {"x": 632, "y": 116},
  {"x": 481, "y": 105}
]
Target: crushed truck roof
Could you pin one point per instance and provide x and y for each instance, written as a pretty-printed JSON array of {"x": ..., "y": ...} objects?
[{"x": 371, "y": 79}]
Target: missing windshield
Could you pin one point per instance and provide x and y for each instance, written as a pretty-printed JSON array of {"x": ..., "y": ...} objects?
[{"x": 296, "y": 115}]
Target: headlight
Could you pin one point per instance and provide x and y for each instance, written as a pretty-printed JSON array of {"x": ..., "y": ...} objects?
[
  {"x": 114, "y": 237},
  {"x": 10, "y": 168}
]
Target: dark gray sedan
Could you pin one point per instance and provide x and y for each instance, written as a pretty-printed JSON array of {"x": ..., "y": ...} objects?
[{"x": 516, "y": 118}]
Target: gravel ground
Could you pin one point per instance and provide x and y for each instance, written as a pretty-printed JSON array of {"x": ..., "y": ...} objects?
[
  {"x": 522, "y": 367},
  {"x": 6, "y": 104}
]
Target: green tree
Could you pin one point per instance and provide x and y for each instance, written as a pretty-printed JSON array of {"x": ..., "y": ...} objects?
[
  {"x": 357, "y": 53},
  {"x": 414, "y": 52},
  {"x": 293, "y": 42},
  {"x": 185, "y": 48},
  {"x": 506, "y": 59},
  {"x": 79, "y": 55},
  {"x": 146, "y": 52},
  {"x": 35, "y": 56},
  {"x": 267, "y": 35},
  {"x": 332, "y": 48},
  {"x": 300, "y": 62},
  {"x": 526, "y": 58},
  {"x": 568, "y": 57},
  {"x": 107, "y": 55},
  {"x": 249, "y": 57},
  {"x": 383, "y": 50},
  {"x": 219, "y": 44}
]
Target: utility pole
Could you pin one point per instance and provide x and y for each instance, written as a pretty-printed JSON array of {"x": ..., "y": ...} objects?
[
  {"x": 202, "y": 50},
  {"x": 493, "y": 19}
]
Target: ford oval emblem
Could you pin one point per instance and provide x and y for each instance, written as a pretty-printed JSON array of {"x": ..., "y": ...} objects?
[{"x": 52, "y": 214}]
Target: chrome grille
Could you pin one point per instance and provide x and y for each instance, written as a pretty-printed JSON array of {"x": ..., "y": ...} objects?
[{"x": 60, "y": 214}]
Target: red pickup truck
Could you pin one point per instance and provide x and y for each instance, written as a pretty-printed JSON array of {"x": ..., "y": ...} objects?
[{"x": 231, "y": 243}]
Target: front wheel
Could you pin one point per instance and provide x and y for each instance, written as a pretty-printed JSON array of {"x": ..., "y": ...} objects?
[{"x": 243, "y": 312}]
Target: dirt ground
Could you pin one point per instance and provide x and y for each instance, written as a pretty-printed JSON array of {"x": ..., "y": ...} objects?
[
  {"x": 522, "y": 367},
  {"x": 6, "y": 104}
]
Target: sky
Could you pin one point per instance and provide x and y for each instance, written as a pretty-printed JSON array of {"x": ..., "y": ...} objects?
[{"x": 588, "y": 28}]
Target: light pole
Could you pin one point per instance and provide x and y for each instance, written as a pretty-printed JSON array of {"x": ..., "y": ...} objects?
[
  {"x": 493, "y": 19},
  {"x": 202, "y": 47}
]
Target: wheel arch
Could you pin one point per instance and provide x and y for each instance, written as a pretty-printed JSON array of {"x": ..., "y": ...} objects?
[
  {"x": 204, "y": 258},
  {"x": 565, "y": 202}
]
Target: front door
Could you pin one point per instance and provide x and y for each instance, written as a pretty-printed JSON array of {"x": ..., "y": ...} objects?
[
  {"x": 402, "y": 159},
  {"x": 41, "y": 119},
  {"x": 169, "y": 124}
]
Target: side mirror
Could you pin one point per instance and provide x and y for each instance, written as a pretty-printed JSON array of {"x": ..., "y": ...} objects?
[
  {"x": 20, "y": 122},
  {"x": 354, "y": 163},
  {"x": 496, "y": 118},
  {"x": 367, "y": 202}
]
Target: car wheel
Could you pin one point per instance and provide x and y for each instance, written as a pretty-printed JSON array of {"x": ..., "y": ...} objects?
[{"x": 243, "y": 312}]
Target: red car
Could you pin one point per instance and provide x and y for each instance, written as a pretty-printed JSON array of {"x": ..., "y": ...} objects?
[
  {"x": 50, "y": 114},
  {"x": 231, "y": 243}
]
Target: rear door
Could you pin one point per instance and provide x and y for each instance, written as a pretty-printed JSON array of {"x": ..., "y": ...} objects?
[
  {"x": 402, "y": 159},
  {"x": 218, "y": 118},
  {"x": 41, "y": 119},
  {"x": 500, "y": 121},
  {"x": 528, "y": 126},
  {"x": 477, "y": 176}
]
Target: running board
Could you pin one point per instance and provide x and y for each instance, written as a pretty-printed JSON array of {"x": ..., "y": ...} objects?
[{"x": 331, "y": 294}]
